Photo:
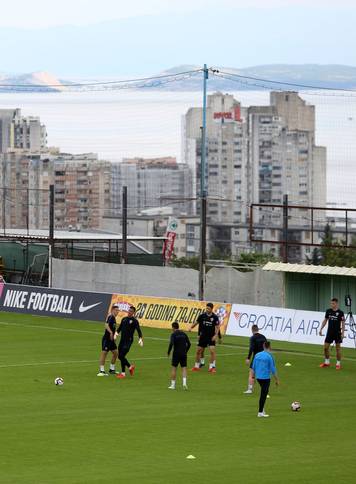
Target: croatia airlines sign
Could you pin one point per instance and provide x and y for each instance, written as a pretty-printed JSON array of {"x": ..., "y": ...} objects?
[
  {"x": 281, "y": 324},
  {"x": 54, "y": 302}
]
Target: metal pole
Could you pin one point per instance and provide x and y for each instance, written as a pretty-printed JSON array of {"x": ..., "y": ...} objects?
[
  {"x": 124, "y": 226},
  {"x": 49, "y": 265},
  {"x": 28, "y": 210},
  {"x": 203, "y": 142},
  {"x": 51, "y": 233},
  {"x": 346, "y": 228},
  {"x": 4, "y": 209},
  {"x": 202, "y": 250},
  {"x": 203, "y": 193},
  {"x": 285, "y": 228}
]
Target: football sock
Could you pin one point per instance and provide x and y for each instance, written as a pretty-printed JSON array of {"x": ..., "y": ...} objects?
[
  {"x": 102, "y": 368},
  {"x": 327, "y": 361},
  {"x": 112, "y": 367},
  {"x": 184, "y": 381},
  {"x": 196, "y": 365},
  {"x": 211, "y": 365},
  {"x": 249, "y": 387},
  {"x": 214, "y": 363},
  {"x": 202, "y": 361},
  {"x": 173, "y": 383},
  {"x": 338, "y": 362}
]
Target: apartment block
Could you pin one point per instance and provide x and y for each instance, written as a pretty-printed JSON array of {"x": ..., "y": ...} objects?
[
  {"x": 20, "y": 133},
  {"x": 82, "y": 186},
  {"x": 153, "y": 182},
  {"x": 255, "y": 154}
]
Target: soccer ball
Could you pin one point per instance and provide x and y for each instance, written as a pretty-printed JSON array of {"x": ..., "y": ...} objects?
[
  {"x": 295, "y": 406},
  {"x": 58, "y": 381}
]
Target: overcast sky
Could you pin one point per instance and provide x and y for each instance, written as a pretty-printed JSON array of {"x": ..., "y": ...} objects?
[{"x": 108, "y": 37}]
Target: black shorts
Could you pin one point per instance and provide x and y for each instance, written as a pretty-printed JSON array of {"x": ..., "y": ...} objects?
[
  {"x": 179, "y": 360},
  {"x": 332, "y": 336},
  {"x": 205, "y": 341},
  {"x": 108, "y": 345}
]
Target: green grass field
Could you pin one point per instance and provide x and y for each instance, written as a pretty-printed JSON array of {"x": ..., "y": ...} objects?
[{"x": 96, "y": 430}]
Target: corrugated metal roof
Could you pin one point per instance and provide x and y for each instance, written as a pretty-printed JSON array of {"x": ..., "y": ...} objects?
[
  {"x": 310, "y": 269},
  {"x": 69, "y": 235}
]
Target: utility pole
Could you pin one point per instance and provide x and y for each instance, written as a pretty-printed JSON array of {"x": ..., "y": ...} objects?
[
  {"x": 285, "y": 228},
  {"x": 124, "y": 226},
  {"x": 203, "y": 193}
]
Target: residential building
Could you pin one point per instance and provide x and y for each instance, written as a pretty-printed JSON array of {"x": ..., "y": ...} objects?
[
  {"x": 82, "y": 190},
  {"x": 82, "y": 186},
  {"x": 20, "y": 133},
  {"x": 151, "y": 183},
  {"x": 255, "y": 155}
]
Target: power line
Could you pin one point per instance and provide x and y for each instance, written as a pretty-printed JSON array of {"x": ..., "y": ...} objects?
[
  {"x": 284, "y": 83},
  {"x": 124, "y": 83},
  {"x": 339, "y": 92}
]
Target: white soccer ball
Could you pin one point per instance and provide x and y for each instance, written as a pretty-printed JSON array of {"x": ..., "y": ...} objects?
[
  {"x": 295, "y": 406},
  {"x": 58, "y": 381}
]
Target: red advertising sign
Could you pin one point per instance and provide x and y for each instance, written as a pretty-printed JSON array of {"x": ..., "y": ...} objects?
[
  {"x": 168, "y": 246},
  {"x": 227, "y": 115},
  {"x": 237, "y": 113}
]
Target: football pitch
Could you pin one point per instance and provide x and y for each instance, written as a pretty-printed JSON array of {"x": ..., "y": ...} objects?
[{"x": 97, "y": 430}]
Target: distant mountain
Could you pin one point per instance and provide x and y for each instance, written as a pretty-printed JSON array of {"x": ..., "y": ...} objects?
[
  {"x": 292, "y": 77},
  {"x": 259, "y": 77},
  {"x": 34, "y": 81}
]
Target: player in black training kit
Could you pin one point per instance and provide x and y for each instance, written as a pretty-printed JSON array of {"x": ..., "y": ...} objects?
[
  {"x": 208, "y": 332},
  {"x": 108, "y": 342},
  {"x": 127, "y": 327},
  {"x": 336, "y": 332},
  {"x": 180, "y": 343},
  {"x": 256, "y": 346}
]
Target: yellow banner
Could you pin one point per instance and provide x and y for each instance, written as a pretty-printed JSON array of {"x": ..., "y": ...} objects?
[{"x": 157, "y": 312}]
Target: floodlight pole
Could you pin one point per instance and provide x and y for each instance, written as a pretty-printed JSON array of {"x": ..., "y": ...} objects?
[{"x": 203, "y": 192}]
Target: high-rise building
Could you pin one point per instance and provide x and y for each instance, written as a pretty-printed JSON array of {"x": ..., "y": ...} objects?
[
  {"x": 226, "y": 174},
  {"x": 151, "y": 182},
  {"x": 82, "y": 190},
  {"x": 82, "y": 186},
  {"x": 22, "y": 134},
  {"x": 24, "y": 197},
  {"x": 255, "y": 155}
]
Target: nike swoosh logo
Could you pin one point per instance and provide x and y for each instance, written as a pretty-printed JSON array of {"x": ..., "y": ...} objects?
[{"x": 83, "y": 308}]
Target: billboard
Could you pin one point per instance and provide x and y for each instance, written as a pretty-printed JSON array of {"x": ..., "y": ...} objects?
[
  {"x": 54, "y": 302},
  {"x": 159, "y": 312},
  {"x": 282, "y": 324}
]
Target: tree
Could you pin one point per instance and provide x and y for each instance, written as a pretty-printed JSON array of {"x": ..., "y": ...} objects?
[
  {"x": 257, "y": 257},
  {"x": 187, "y": 262},
  {"x": 339, "y": 255}
]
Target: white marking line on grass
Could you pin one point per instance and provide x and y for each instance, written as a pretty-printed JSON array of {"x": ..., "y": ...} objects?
[
  {"x": 70, "y": 330},
  {"x": 25, "y": 325},
  {"x": 46, "y": 363}
]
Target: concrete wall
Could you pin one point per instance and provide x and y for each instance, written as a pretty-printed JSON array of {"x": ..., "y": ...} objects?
[
  {"x": 258, "y": 287},
  {"x": 126, "y": 279},
  {"x": 222, "y": 284}
]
